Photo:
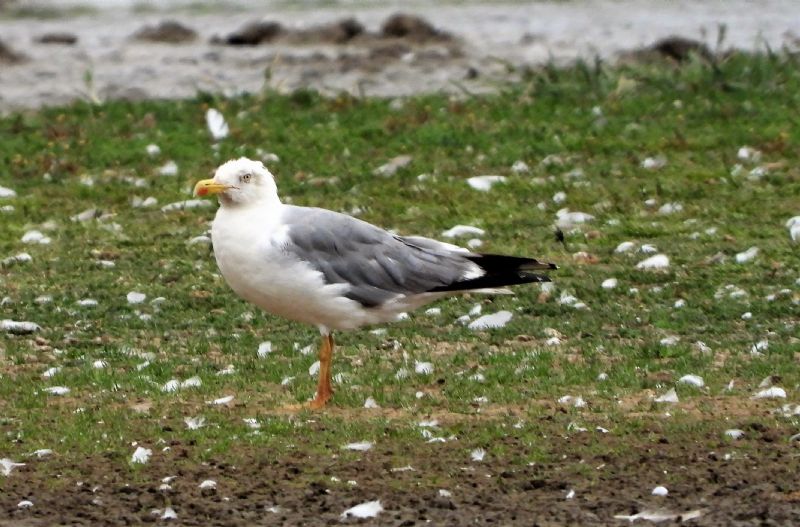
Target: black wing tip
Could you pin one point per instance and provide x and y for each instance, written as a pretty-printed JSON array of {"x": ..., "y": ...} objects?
[
  {"x": 491, "y": 262},
  {"x": 493, "y": 281},
  {"x": 501, "y": 271}
]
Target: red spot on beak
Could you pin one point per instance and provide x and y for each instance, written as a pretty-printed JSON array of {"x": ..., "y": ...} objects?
[{"x": 202, "y": 191}]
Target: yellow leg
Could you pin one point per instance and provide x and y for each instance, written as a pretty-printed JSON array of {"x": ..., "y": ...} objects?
[{"x": 324, "y": 391}]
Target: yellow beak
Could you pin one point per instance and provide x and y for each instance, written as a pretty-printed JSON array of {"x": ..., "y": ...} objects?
[{"x": 209, "y": 186}]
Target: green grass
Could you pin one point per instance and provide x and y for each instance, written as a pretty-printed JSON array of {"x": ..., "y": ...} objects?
[
  {"x": 44, "y": 12},
  {"x": 601, "y": 121}
]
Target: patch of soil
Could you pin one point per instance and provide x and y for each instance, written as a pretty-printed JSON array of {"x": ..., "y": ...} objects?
[
  {"x": 61, "y": 38},
  {"x": 751, "y": 481},
  {"x": 169, "y": 32}
]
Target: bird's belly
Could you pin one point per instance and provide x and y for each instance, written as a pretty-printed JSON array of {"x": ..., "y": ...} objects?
[{"x": 287, "y": 287}]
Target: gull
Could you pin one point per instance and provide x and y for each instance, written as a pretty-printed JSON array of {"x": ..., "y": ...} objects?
[{"x": 334, "y": 271}]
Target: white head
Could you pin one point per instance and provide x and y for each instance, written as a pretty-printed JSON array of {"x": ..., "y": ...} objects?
[{"x": 240, "y": 182}]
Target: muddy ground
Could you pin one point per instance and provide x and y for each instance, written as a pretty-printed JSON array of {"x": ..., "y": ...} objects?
[
  {"x": 711, "y": 481},
  {"x": 96, "y": 55}
]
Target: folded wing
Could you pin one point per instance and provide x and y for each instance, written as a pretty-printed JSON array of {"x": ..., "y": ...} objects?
[{"x": 378, "y": 266}]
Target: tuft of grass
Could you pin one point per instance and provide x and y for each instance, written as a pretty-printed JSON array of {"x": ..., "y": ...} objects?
[{"x": 45, "y": 12}]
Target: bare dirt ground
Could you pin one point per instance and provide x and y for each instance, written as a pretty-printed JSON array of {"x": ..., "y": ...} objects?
[
  {"x": 94, "y": 56},
  {"x": 589, "y": 478}
]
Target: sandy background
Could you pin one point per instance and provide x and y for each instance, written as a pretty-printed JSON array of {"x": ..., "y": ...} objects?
[{"x": 490, "y": 36}]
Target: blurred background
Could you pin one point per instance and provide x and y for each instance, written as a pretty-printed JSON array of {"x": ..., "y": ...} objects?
[{"x": 55, "y": 51}]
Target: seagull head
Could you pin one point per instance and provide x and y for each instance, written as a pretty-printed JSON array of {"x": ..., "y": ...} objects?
[{"x": 240, "y": 182}]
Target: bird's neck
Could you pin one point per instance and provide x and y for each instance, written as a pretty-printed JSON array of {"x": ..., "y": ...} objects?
[
  {"x": 263, "y": 202},
  {"x": 246, "y": 223}
]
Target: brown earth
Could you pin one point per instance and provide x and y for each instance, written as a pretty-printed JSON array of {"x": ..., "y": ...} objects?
[{"x": 751, "y": 481}]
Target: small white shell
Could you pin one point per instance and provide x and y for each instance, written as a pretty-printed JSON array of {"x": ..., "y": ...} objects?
[
  {"x": 136, "y": 297},
  {"x": 369, "y": 509},
  {"x": 361, "y": 446},
  {"x": 208, "y": 484},
  {"x": 484, "y": 183},
  {"x": 692, "y": 380},
  {"x": 659, "y": 261},
  {"x": 609, "y": 283}
]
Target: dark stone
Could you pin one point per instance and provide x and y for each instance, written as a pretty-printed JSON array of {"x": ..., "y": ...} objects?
[
  {"x": 169, "y": 31},
  {"x": 253, "y": 34},
  {"x": 411, "y": 27},
  {"x": 65, "y": 39},
  {"x": 443, "y": 503},
  {"x": 680, "y": 48}
]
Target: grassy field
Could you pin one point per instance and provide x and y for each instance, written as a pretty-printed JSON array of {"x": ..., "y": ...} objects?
[{"x": 654, "y": 153}]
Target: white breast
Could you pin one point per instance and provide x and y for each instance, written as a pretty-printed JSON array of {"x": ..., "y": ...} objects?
[{"x": 249, "y": 246}]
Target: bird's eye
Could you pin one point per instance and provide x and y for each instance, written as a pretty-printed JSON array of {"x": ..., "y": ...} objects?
[{"x": 245, "y": 178}]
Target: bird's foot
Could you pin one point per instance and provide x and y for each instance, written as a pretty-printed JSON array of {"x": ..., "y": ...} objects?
[
  {"x": 319, "y": 402},
  {"x": 291, "y": 408}
]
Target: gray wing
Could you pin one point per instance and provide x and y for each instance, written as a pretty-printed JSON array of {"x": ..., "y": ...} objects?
[{"x": 376, "y": 265}]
